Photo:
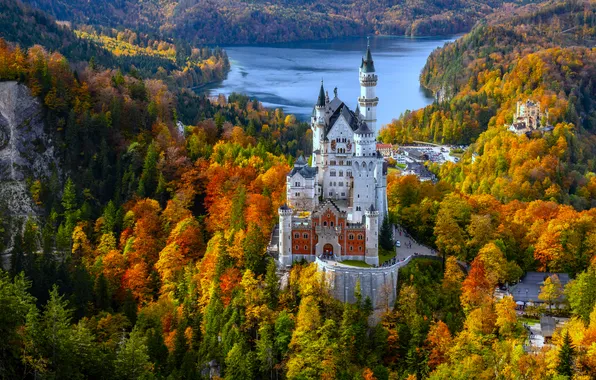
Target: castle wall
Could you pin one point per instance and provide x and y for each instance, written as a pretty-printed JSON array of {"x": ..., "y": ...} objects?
[{"x": 379, "y": 284}]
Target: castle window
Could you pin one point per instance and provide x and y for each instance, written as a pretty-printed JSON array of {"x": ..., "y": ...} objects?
[
  {"x": 297, "y": 247},
  {"x": 349, "y": 174},
  {"x": 360, "y": 248},
  {"x": 341, "y": 173},
  {"x": 305, "y": 236},
  {"x": 305, "y": 247},
  {"x": 351, "y": 237},
  {"x": 332, "y": 173},
  {"x": 297, "y": 194},
  {"x": 351, "y": 248},
  {"x": 341, "y": 184},
  {"x": 360, "y": 237},
  {"x": 332, "y": 162},
  {"x": 331, "y": 224},
  {"x": 296, "y": 236},
  {"x": 324, "y": 224},
  {"x": 297, "y": 184}
]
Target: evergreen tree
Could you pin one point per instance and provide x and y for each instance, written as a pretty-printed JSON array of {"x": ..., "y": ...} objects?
[
  {"x": 180, "y": 346},
  {"x": 239, "y": 363},
  {"x": 132, "y": 360},
  {"x": 150, "y": 175},
  {"x": 101, "y": 292},
  {"x": 271, "y": 285},
  {"x": 386, "y": 235},
  {"x": 254, "y": 250},
  {"x": 238, "y": 207},
  {"x": 566, "y": 355},
  {"x": 157, "y": 350}
]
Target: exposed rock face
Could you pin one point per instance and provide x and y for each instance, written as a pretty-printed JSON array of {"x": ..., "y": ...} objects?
[{"x": 25, "y": 149}]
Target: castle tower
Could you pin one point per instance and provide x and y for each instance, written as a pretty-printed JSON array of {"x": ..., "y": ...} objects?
[
  {"x": 372, "y": 236},
  {"x": 368, "y": 99},
  {"x": 318, "y": 124},
  {"x": 285, "y": 235}
]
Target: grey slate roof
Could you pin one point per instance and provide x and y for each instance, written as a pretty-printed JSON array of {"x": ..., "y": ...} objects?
[
  {"x": 368, "y": 65},
  {"x": 321, "y": 99},
  {"x": 528, "y": 289},
  {"x": 305, "y": 171},
  {"x": 363, "y": 129},
  {"x": 337, "y": 108},
  {"x": 300, "y": 161}
]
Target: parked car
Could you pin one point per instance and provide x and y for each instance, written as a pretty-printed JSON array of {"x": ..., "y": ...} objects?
[{"x": 398, "y": 244}]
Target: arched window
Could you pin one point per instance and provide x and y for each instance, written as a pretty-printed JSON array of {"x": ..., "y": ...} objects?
[
  {"x": 351, "y": 248},
  {"x": 332, "y": 173},
  {"x": 305, "y": 236},
  {"x": 305, "y": 247},
  {"x": 351, "y": 237},
  {"x": 331, "y": 224},
  {"x": 296, "y": 236},
  {"x": 360, "y": 237},
  {"x": 360, "y": 248},
  {"x": 325, "y": 224},
  {"x": 297, "y": 247},
  {"x": 341, "y": 173}
]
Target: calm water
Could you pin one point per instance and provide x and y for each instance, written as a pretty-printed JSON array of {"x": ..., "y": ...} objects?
[{"x": 288, "y": 75}]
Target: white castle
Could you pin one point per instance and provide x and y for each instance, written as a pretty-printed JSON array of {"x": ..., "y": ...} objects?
[{"x": 338, "y": 200}]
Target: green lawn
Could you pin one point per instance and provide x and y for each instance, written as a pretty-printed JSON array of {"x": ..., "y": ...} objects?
[
  {"x": 529, "y": 321},
  {"x": 356, "y": 263},
  {"x": 385, "y": 255}
]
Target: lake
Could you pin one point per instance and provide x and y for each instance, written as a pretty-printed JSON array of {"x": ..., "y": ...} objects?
[{"x": 288, "y": 75}]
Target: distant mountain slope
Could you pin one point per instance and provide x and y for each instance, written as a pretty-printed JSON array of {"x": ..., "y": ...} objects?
[
  {"x": 236, "y": 21},
  {"x": 173, "y": 60}
]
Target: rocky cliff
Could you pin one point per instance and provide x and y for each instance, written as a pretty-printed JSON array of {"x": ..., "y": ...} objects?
[{"x": 26, "y": 150}]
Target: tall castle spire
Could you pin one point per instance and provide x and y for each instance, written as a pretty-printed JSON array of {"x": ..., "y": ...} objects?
[
  {"x": 321, "y": 99},
  {"x": 368, "y": 82}
]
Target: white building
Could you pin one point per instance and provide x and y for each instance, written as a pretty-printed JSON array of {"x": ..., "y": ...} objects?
[{"x": 343, "y": 190}]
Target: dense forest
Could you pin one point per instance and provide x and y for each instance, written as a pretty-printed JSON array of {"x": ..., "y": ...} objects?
[
  {"x": 147, "y": 258},
  {"x": 172, "y": 60},
  {"x": 234, "y": 22},
  {"x": 507, "y": 59}
]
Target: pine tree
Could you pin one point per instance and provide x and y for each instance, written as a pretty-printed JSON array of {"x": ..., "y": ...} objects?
[
  {"x": 254, "y": 250},
  {"x": 103, "y": 300},
  {"x": 238, "y": 207},
  {"x": 271, "y": 285},
  {"x": 157, "y": 350},
  {"x": 132, "y": 360},
  {"x": 386, "y": 235},
  {"x": 149, "y": 176},
  {"x": 566, "y": 355}
]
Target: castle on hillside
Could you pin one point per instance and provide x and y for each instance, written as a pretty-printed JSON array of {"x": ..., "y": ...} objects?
[
  {"x": 528, "y": 117},
  {"x": 337, "y": 200}
]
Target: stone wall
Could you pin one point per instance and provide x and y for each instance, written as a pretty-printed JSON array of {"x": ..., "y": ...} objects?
[{"x": 379, "y": 284}]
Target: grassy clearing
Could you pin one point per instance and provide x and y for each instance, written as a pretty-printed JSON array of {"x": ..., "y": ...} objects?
[
  {"x": 385, "y": 255},
  {"x": 356, "y": 263}
]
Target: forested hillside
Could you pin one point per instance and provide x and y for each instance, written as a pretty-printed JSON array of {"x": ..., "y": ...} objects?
[
  {"x": 234, "y": 21},
  {"x": 537, "y": 53},
  {"x": 148, "y": 257},
  {"x": 175, "y": 61}
]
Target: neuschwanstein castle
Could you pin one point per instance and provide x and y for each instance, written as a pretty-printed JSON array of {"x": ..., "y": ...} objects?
[{"x": 337, "y": 200}]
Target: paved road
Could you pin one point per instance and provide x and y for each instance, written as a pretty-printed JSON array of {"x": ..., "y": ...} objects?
[{"x": 404, "y": 251}]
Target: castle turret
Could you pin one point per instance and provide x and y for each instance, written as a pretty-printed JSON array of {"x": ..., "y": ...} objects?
[
  {"x": 368, "y": 100},
  {"x": 285, "y": 235},
  {"x": 318, "y": 122},
  {"x": 372, "y": 236}
]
